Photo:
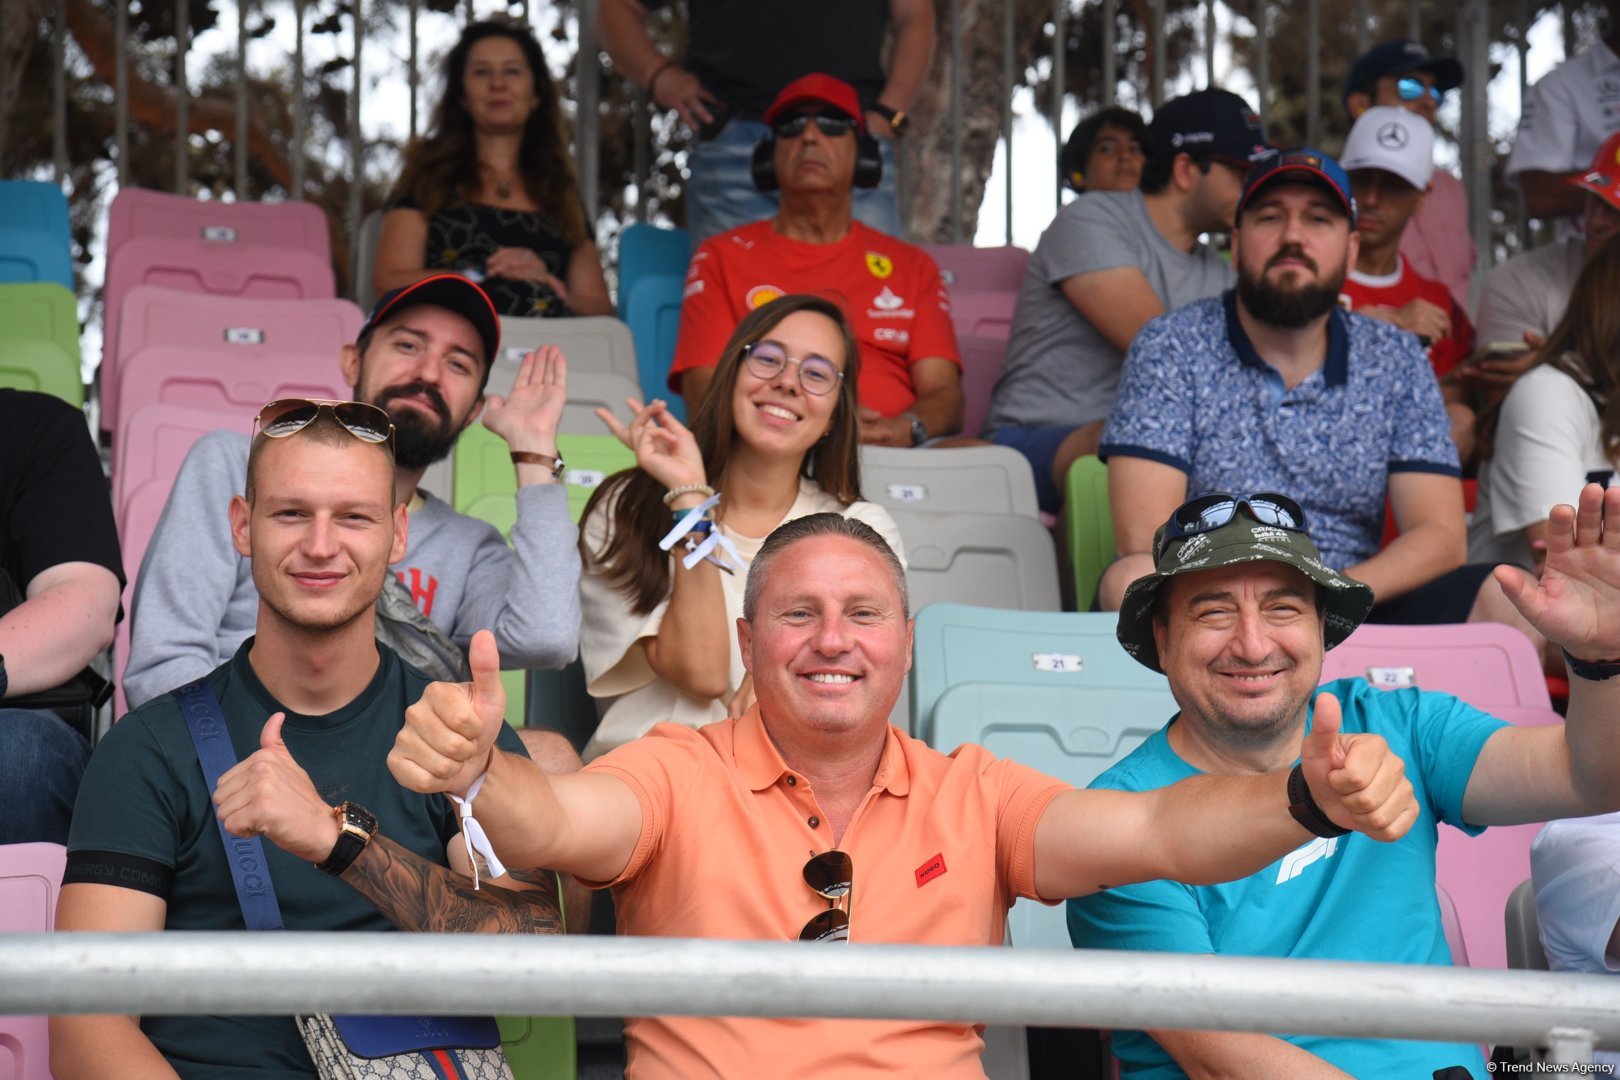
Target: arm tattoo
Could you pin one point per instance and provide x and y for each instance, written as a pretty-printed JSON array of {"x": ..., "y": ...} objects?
[{"x": 417, "y": 895}]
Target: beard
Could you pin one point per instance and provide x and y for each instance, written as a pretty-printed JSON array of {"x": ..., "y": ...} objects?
[
  {"x": 1289, "y": 307},
  {"x": 418, "y": 441}
]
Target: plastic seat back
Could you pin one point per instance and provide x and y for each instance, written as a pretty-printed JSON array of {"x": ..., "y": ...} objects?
[
  {"x": 40, "y": 311},
  {"x": 365, "y": 259},
  {"x": 983, "y": 315},
  {"x": 539, "y": 1047},
  {"x": 654, "y": 316},
  {"x": 972, "y": 479},
  {"x": 141, "y": 212},
  {"x": 645, "y": 250},
  {"x": 1088, "y": 525},
  {"x": 245, "y": 328},
  {"x": 1486, "y": 664},
  {"x": 35, "y": 204},
  {"x": 598, "y": 343},
  {"x": 34, "y": 255},
  {"x": 968, "y": 269},
  {"x": 992, "y": 560},
  {"x": 1524, "y": 948},
  {"x": 982, "y": 361},
  {"x": 30, "y": 878},
  {"x": 196, "y": 266},
  {"x": 41, "y": 367}
]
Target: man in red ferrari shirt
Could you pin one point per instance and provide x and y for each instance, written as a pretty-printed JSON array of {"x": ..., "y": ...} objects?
[
  {"x": 1390, "y": 158},
  {"x": 818, "y": 150}
]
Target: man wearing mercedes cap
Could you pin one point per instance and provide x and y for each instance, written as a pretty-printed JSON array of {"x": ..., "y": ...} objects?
[{"x": 1237, "y": 614}]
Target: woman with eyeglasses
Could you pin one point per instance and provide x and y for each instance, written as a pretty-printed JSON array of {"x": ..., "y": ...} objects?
[
  {"x": 490, "y": 191},
  {"x": 1558, "y": 427},
  {"x": 666, "y": 545}
]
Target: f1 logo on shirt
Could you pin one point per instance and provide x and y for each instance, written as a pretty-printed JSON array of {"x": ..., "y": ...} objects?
[
  {"x": 880, "y": 265},
  {"x": 760, "y": 295}
]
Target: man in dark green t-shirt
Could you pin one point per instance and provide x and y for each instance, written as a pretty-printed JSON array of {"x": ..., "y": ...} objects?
[{"x": 312, "y": 703}]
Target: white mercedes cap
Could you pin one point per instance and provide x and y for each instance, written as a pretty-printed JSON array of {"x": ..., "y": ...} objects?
[{"x": 1393, "y": 139}]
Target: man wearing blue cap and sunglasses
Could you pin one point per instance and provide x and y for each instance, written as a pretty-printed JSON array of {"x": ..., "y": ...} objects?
[
  {"x": 1272, "y": 386},
  {"x": 1238, "y": 612},
  {"x": 1402, "y": 74}
]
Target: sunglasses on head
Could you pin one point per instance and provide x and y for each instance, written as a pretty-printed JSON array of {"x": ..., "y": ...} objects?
[
  {"x": 1209, "y": 512},
  {"x": 285, "y": 417},
  {"x": 1411, "y": 89},
  {"x": 817, "y": 374},
  {"x": 831, "y": 875},
  {"x": 832, "y": 126}
]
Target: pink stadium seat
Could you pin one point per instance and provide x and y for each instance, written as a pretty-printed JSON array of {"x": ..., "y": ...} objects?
[
  {"x": 1488, "y": 665},
  {"x": 228, "y": 386},
  {"x": 247, "y": 328},
  {"x": 136, "y": 522},
  {"x": 194, "y": 266},
  {"x": 982, "y": 359},
  {"x": 154, "y": 442},
  {"x": 986, "y": 315},
  {"x": 968, "y": 269},
  {"x": 139, "y": 212},
  {"x": 30, "y": 877}
]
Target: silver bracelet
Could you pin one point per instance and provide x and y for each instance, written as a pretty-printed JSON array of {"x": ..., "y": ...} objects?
[{"x": 687, "y": 489}]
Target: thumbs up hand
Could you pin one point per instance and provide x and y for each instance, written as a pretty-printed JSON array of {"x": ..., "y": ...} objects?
[
  {"x": 449, "y": 735},
  {"x": 270, "y": 795},
  {"x": 1356, "y": 781}
]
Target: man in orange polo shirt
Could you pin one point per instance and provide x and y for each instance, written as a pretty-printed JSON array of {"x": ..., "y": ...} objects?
[
  {"x": 818, "y": 150},
  {"x": 812, "y": 818}
]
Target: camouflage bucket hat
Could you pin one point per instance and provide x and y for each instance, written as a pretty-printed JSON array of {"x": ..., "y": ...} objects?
[{"x": 1242, "y": 538}]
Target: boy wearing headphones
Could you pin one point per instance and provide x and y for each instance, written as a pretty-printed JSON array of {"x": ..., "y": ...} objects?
[{"x": 816, "y": 152}]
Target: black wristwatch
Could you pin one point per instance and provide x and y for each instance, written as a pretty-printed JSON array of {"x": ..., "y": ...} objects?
[
  {"x": 919, "y": 430},
  {"x": 1302, "y": 807},
  {"x": 1590, "y": 670},
  {"x": 356, "y": 827},
  {"x": 897, "y": 119}
]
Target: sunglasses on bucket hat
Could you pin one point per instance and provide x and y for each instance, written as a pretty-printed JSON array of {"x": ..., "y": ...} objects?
[
  {"x": 831, "y": 875},
  {"x": 1209, "y": 512},
  {"x": 286, "y": 417}
]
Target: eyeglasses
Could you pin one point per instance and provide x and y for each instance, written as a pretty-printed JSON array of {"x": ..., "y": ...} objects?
[
  {"x": 1209, "y": 512},
  {"x": 831, "y": 126},
  {"x": 817, "y": 374},
  {"x": 830, "y": 874},
  {"x": 285, "y": 417},
  {"x": 1411, "y": 89}
]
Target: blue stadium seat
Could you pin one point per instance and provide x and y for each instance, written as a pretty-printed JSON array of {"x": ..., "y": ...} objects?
[
  {"x": 34, "y": 204},
  {"x": 653, "y": 312},
  {"x": 647, "y": 249},
  {"x": 1053, "y": 690},
  {"x": 30, "y": 255}
]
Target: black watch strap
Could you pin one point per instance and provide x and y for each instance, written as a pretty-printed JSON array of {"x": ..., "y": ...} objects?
[
  {"x": 1592, "y": 670},
  {"x": 357, "y": 826},
  {"x": 1304, "y": 810},
  {"x": 897, "y": 119}
]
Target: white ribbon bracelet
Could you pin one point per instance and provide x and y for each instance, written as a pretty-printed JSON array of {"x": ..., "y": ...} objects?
[
  {"x": 473, "y": 835},
  {"x": 706, "y": 549}
]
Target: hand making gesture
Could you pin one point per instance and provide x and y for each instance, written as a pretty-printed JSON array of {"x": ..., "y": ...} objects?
[
  {"x": 1576, "y": 602},
  {"x": 665, "y": 448}
]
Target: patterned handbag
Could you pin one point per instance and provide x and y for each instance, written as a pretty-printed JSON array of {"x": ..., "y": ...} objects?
[{"x": 345, "y": 1047}]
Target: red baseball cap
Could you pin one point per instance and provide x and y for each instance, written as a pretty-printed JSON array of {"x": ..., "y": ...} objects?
[
  {"x": 450, "y": 291},
  {"x": 1604, "y": 178},
  {"x": 822, "y": 89}
]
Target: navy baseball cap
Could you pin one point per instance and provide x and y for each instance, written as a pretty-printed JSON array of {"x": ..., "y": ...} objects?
[
  {"x": 1304, "y": 166},
  {"x": 1397, "y": 57},
  {"x": 1214, "y": 122},
  {"x": 451, "y": 292}
]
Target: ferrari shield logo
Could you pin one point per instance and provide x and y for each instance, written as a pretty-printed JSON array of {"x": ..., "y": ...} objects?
[{"x": 880, "y": 265}]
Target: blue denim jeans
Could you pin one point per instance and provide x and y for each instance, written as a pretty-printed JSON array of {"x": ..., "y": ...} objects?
[
  {"x": 720, "y": 192},
  {"x": 41, "y": 762}
]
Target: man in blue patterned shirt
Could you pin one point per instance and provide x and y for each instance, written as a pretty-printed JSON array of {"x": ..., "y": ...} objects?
[{"x": 1272, "y": 386}]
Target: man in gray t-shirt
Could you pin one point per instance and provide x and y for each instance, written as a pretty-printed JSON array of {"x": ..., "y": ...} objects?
[{"x": 1108, "y": 263}]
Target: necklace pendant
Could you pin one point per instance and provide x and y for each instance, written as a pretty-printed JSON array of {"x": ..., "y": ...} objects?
[{"x": 503, "y": 189}]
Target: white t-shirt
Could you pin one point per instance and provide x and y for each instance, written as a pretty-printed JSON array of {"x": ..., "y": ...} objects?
[
  {"x": 612, "y": 639},
  {"x": 1575, "y": 870},
  {"x": 1528, "y": 292},
  {"x": 1566, "y": 117},
  {"x": 1547, "y": 446}
]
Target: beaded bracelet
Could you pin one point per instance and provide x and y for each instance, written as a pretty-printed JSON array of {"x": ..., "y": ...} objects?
[{"x": 687, "y": 489}]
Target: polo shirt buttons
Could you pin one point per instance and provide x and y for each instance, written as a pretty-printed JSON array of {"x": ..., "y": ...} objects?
[
  {"x": 815, "y": 822},
  {"x": 792, "y": 780}
]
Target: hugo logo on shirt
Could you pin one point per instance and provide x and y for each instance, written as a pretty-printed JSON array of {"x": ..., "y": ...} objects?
[{"x": 932, "y": 867}]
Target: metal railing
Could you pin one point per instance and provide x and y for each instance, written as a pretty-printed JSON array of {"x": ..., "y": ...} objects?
[{"x": 247, "y": 973}]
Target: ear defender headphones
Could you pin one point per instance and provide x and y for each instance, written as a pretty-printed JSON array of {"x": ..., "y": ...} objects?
[{"x": 868, "y": 161}]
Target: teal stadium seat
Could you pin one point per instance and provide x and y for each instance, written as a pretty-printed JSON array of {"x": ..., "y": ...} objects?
[
  {"x": 654, "y": 315},
  {"x": 35, "y": 241},
  {"x": 647, "y": 249},
  {"x": 1052, "y": 690}
]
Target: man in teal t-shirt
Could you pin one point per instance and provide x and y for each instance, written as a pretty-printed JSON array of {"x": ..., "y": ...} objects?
[
  {"x": 312, "y": 704},
  {"x": 1238, "y": 614}
]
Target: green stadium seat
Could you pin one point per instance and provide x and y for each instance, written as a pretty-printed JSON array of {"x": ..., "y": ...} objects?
[
  {"x": 1089, "y": 525},
  {"x": 40, "y": 311},
  {"x": 40, "y": 366}
]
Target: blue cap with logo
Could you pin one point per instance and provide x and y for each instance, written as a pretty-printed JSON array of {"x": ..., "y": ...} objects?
[
  {"x": 1213, "y": 122},
  {"x": 1305, "y": 166},
  {"x": 1397, "y": 57}
]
